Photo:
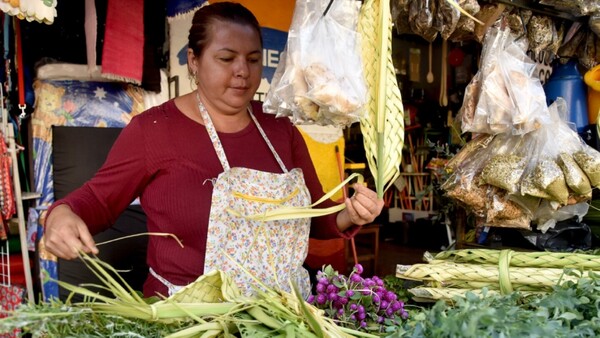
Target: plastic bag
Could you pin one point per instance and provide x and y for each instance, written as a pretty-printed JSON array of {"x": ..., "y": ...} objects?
[
  {"x": 446, "y": 18},
  {"x": 594, "y": 23},
  {"x": 506, "y": 163},
  {"x": 540, "y": 32},
  {"x": 502, "y": 212},
  {"x": 420, "y": 17},
  {"x": 588, "y": 160},
  {"x": 319, "y": 79},
  {"x": 566, "y": 236},
  {"x": 574, "y": 7},
  {"x": 400, "y": 10},
  {"x": 505, "y": 95},
  {"x": 547, "y": 215},
  {"x": 464, "y": 184},
  {"x": 465, "y": 28}
]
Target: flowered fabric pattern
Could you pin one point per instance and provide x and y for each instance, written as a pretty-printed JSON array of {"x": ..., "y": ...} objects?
[
  {"x": 271, "y": 251},
  {"x": 10, "y": 298}
]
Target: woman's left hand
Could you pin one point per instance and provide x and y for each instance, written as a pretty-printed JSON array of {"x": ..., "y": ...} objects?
[{"x": 362, "y": 208}]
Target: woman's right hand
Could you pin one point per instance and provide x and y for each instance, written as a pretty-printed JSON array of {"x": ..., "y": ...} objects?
[{"x": 65, "y": 234}]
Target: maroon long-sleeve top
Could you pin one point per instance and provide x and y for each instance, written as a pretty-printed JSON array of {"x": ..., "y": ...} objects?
[{"x": 166, "y": 158}]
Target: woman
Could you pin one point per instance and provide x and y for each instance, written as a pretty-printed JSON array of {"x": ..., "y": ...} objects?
[{"x": 198, "y": 160}]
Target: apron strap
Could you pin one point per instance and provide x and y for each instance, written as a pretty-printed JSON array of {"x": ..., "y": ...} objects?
[
  {"x": 212, "y": 132},
  {"x": 264, "y": 135}
]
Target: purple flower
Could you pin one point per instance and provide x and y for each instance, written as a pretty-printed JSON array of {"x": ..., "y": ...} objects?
[
  {"x": 321, "y": 287},
  {"x": 337, "y": 295},
  {"x": 356, "y": 278},
  {"x": 390, "y": 296},
  {"x": 396, "y": 305},
  {"x": 311, "y": 299}
]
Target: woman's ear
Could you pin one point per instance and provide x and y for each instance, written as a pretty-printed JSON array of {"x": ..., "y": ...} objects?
[{"x": 191, "y": 61}]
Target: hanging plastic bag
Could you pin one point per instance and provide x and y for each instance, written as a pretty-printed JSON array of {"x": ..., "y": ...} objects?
[
  {"x": 464, "y": 183},
  {"x": 421, "y": 16},
  {"x": 465, "y": 27},
  {"x": 505, "y": 95},
  {"x": 502, "y": 212},
  {"x": 506, "y": 163},
  {"x": 446, "y": 18},
  {"x": 400, "y": 10},
  {"x": 319, "y": 79}
]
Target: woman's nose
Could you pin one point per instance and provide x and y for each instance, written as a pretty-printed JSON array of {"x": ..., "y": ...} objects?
[{"x": 242, "y": 69}]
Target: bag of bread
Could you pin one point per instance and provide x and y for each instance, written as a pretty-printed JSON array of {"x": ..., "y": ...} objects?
[{"x": 317, "y": 81}]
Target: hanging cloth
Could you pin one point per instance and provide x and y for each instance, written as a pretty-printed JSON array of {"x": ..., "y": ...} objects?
[
  {"x": 123, "y": 49},
  {"x": 91, "y": 34}
]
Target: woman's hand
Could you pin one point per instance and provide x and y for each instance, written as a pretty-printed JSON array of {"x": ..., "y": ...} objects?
[
  {"x": 65, "y": 234},
  {"x": 362, "y": 208}
]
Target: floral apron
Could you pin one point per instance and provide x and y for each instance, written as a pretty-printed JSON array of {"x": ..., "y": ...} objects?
[{"x": 272, "y": 251}]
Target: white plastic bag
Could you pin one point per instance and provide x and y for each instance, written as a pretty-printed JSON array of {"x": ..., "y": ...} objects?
[{"x": 319, "y": 79}]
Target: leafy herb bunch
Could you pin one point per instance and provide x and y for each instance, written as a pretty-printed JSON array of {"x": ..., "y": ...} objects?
[{"x": 358, "y": 303}]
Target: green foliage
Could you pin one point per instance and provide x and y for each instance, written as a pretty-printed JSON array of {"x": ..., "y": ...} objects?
[
  {"x": 571, "y": 310},
  {"x": 56, "y": 319}
]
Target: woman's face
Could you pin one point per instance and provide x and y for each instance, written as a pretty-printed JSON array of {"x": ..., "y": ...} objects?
[{"x": 230, "y": 67}]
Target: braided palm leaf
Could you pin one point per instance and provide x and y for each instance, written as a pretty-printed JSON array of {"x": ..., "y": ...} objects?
[
  {"x": 382, "y": 125},
  {"x": 539, "y": 259},
  {"x": 448, "y": 272},
  {"x": 427, "y": 294}
]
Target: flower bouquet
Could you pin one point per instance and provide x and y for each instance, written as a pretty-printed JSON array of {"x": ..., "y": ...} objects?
[{"x": 358, "y": 303}]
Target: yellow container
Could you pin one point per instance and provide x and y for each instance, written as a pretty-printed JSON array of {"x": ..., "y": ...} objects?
[{"x": 592, "y": 80}]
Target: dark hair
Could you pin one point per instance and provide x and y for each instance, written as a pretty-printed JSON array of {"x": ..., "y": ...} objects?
[{"x": 207, "y": 15}]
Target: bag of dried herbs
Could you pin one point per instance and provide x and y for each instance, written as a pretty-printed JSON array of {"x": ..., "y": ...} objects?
[
  {"x": 506, "y": 163},
  {"x": 588, "y": 159}
]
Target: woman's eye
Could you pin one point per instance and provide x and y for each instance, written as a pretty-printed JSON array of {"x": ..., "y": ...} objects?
[
  {"x": 253, "y": 60},
  {"x": 226, "y": 59}
]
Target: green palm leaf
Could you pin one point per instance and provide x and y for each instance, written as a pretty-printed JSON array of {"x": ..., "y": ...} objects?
[{"x": 382, "y": 124}]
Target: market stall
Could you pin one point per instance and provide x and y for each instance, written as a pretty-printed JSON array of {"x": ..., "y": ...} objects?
[{"x": 479, "y": 117}]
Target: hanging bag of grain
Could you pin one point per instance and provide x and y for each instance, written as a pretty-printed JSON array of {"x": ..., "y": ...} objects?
[
  {"x": 570, "y": 143},
  {"x": 464, "y": 183},
  {"x": 503, "y": 212},
  {"x": 506, "y": 162}
]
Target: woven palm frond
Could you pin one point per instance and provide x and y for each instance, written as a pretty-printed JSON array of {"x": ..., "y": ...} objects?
[
  {"x": 212, "y": 287},
  {"x": 382, "y": 124}
]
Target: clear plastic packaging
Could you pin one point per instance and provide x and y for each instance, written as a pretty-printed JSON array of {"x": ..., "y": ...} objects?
[{"x": 318, "y": 81}]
